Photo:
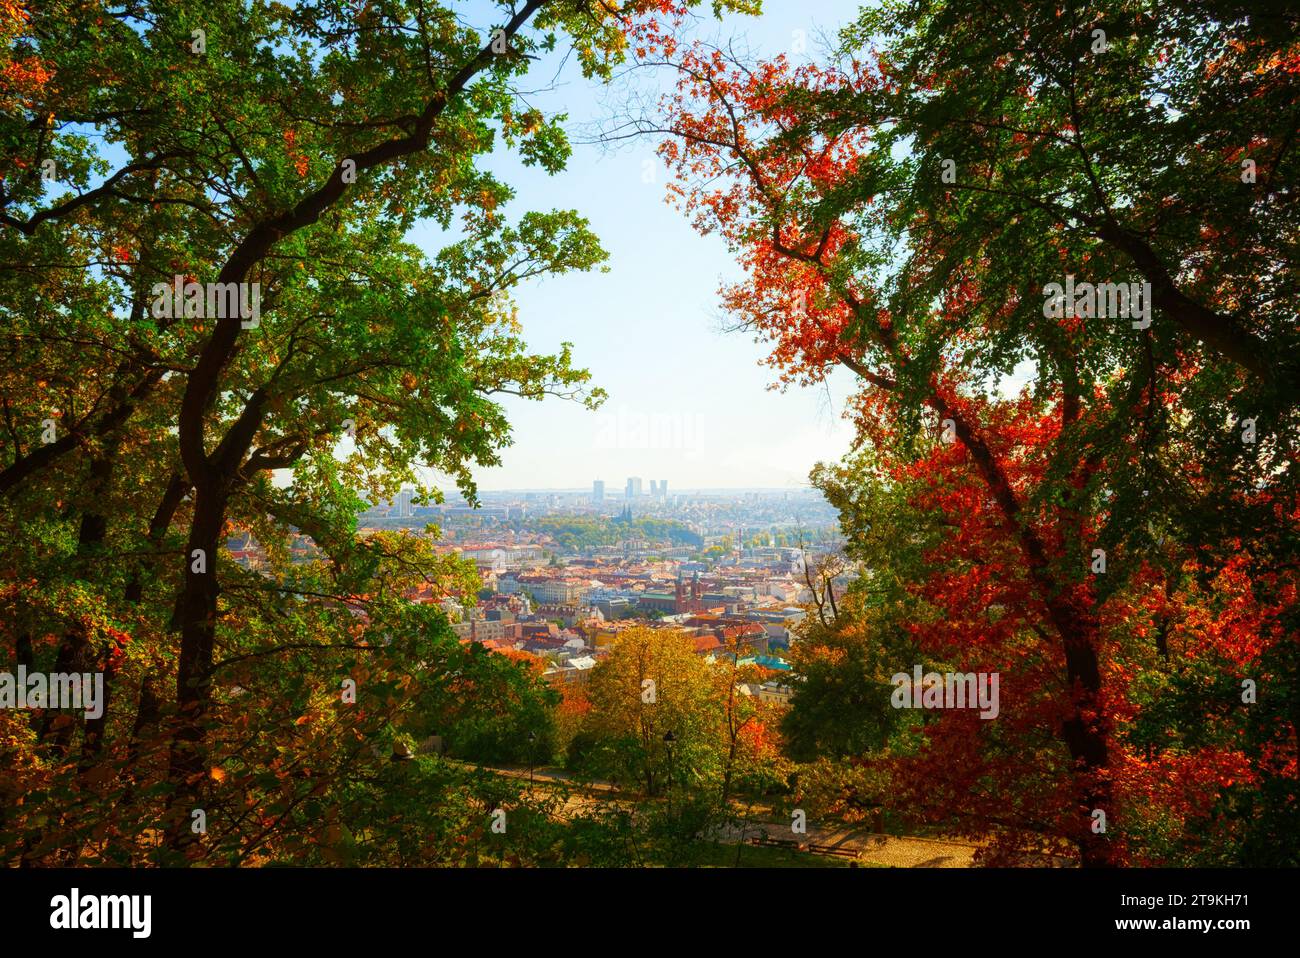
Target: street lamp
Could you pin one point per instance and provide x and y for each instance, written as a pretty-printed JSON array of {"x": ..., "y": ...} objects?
[{"x": 669, "y": 740}]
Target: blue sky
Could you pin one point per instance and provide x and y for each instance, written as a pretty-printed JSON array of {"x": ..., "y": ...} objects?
[{"x": 687, "y": 402}]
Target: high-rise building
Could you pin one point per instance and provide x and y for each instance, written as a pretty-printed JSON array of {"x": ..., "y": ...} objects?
[
  {"x": 654, "y": 489},
  {"x": 598, "y": 491},
  {"x": 663, "y": 489},
  {"x": 633, "y": 487},
  {"x": 403, "y": 503}
]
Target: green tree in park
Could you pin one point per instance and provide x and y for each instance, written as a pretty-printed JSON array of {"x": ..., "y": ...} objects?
[
  {"x": 213, "y": 325},
  {"x": 653, "y": 683}
]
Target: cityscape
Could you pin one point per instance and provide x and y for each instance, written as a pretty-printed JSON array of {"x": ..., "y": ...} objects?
[
  {"x": 563, "y": 572},
  {"x": 728, "y": 564},
  {"x": 470, "y": 455}
]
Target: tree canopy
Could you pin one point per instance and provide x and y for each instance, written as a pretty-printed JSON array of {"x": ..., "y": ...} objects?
[
  {"x": 215, "y": 327},
  {"x": 903, "y": 208}
]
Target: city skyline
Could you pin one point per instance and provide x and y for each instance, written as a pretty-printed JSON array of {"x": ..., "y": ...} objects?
[{"x": 619, "y": 492}]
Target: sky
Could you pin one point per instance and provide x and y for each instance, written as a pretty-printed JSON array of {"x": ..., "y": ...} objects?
[{"x": 688, "y": 402}]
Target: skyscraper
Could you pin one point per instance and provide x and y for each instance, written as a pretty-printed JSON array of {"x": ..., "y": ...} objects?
[
  {"x": 598, "y": 491},
  {"x": 633, "y": 487}
]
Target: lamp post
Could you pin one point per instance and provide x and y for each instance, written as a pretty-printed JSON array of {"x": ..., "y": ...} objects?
[{"x": 669, "y": 740}]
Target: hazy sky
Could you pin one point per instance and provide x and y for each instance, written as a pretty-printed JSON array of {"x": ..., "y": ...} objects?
[{"x": 687, "y": 402}]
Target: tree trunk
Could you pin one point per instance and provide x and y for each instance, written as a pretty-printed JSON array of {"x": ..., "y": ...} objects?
[
  {"x": 1086, "y": 738},
  {"x": 198, "y": 620}
]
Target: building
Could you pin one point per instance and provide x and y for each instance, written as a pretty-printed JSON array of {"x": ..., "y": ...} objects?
[
  {"x": 707, "y": 644},
  {"x": 688, "y": 603},
  {"x": 559, "y": 592},
  {"x": 544, "y": 590},
  {"x": 598, "y": 491},
  {"x": 574, "y": 671},
  {"x": 633, "y": 487},
  {"x": 656, "y": 602},
  {"x": 614, "y": 607},
  {"x": 732, "y": 634},
  {"x": 774, "y": 693},
  {"x": 500, "y": 558},
  {"x": 402, "y": 504},
  {"x": 487, "y": 630}
]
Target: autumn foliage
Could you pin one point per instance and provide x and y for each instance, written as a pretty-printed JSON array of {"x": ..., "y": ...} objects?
[{"x": 1116, "y": 536}]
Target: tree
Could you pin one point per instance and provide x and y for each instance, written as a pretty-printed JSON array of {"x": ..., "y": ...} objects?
[
  {"x": 496, "y": 709},
  {"x": 832, "y": 185},
  {"x": 752, "y": 759},
  {"x": 271, "y": 159},
  {"x": 652, "y": 683},
  {"x": 840, "y": 707}
]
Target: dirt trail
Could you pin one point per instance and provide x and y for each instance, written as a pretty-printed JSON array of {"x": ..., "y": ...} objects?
[{"x": 872, "y": 848}]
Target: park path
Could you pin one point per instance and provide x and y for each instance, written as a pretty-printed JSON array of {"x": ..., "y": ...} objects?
[{"x": 873, "y": 848}]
